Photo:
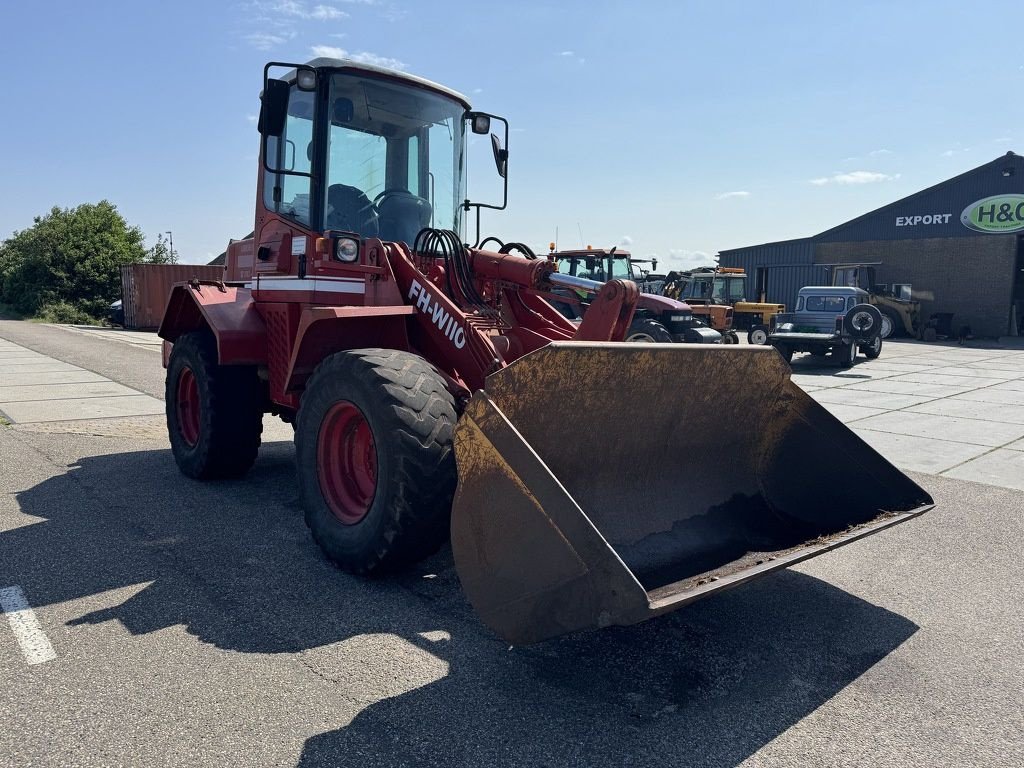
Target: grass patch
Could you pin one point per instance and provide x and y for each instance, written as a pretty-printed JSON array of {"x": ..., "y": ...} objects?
[{"x": 4, "y": 421}]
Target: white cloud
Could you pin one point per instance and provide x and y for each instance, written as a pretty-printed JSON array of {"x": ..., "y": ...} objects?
[
  {"x": 251, "y": 118},
  {"x": 854, "y": 177},
  {"x": 626, "y": 241},
  {"x": 327, "y": 13},
  {"x": 264, "y": 41},
  {"x": 298, "y": 10},
  {"x": 567, "y": 53},
  {"x": 682, "y": 258},
  {"x": 879, "y": 152},
  {"x": 737, "y": 193},
  {"x": 1002, "y": 140},
  {"x": 478, "y": 90},
  {"x": 365, "y": 57}
]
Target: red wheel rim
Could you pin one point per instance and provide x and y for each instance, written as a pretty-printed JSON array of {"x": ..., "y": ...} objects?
[
  {"x": 188, "y": 407},
  {"x": 346, "y": 462}
]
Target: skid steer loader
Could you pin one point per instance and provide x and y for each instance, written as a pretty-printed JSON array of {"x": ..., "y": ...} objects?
[{"x": 435, "y": 391}]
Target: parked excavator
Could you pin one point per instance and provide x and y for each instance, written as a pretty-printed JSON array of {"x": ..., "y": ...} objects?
[{"x": 435, "y": 391}]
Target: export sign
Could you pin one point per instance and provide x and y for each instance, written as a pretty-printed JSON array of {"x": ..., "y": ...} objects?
[{"x": 998, "y": 214}]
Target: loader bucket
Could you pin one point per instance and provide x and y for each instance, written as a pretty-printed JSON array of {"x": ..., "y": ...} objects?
[{"x": 608, "y": 483}]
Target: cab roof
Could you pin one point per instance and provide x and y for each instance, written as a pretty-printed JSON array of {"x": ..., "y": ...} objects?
[
  {"x": 323, "y": 62},
  {"x": 832, "y": 290}
]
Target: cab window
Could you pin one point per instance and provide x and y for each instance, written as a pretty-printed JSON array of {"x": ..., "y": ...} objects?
[{"x": 292, "y": 152}]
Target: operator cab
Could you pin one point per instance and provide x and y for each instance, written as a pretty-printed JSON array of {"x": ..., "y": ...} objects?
[{"x": 389, "y": 154}]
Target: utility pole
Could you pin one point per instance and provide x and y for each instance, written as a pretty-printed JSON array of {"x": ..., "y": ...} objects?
[{"x": 170, "y": 236}]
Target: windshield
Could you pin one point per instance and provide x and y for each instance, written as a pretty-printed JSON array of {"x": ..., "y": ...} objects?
[
  {"x": 394, "y": 159},
  {"x": 595, "y": 268},
  {"x": 825, "y": 304}
]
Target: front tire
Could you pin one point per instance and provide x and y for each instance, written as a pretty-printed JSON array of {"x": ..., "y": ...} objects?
[
  {"x": 758, "y": 334},
  {"x": 845, "y": 354},
  {"x": 214, "y": 412},
  {"x": 374, "y": 458}
]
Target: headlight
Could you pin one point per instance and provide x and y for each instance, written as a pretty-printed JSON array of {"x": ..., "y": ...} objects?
[
  {"x": 346, "y": 249},
  {"x": 680, "y": 318}
]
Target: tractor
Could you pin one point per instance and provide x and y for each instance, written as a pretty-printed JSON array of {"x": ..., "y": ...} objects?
[
  {"x": 724, "y": 286},
  {"x": 598, "y": 265},
  {"x": 437, "y": 394}
]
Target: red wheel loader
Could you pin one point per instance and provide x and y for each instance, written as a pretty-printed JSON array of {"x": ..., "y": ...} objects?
[{"x": 437, "y": 393}]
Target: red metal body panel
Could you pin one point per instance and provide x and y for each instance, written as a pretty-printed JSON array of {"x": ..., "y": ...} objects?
[
  {"x": 228, "y": 311},
  {"x": 145, "y": 289}
]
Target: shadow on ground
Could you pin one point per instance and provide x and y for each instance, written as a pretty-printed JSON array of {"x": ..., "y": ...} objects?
[{"x": 232, "y": 562}]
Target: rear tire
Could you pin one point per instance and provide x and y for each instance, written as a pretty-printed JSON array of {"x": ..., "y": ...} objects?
[
  {"x": 730, "y": 337},
  {"x": 874, "y": 349},
  {"x": 645, "y": 329},
  {"x": 214, "y": 412},
  {"x": 374, "y": 458},
  {"x": 845, "y": 354}
]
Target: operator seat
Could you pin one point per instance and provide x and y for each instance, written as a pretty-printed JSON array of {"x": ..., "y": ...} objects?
[
  {"x": 351, "y": 210},
  {"x": 402, "y": 215}
]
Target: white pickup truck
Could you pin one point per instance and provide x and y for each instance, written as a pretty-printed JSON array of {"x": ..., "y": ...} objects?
[{"x": 829, "y": 320}]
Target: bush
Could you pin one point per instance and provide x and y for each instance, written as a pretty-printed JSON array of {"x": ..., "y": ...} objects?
[
  {"x": 66, "y": 313},
  {"x": 69, "y": 258}
]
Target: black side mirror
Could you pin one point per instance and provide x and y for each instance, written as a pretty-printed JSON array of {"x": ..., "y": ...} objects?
[
  {"x": 500, "y": 156},
  {"x": 273, "y": 107}
]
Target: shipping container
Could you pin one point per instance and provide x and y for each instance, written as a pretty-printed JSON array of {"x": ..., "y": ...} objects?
[{"x": 145, "y": 289}]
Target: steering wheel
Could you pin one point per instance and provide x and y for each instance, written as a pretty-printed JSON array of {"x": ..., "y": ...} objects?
[{"x": 393, "y": 192}]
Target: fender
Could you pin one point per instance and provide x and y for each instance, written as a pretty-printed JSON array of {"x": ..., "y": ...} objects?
[
  {"x": 323, "y": 331},
  {"x": 228, "y": 311}
]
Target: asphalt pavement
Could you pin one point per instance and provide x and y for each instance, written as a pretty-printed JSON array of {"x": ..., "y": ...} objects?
[{"x": 197, "y": 624}]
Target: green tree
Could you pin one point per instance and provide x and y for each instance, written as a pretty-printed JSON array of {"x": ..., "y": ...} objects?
[
  {"x": 161, "y": 253},
  {"x": 70, "y": 256}
]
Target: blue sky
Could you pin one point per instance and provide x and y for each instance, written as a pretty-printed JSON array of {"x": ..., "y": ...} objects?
[{"x": 675, "y": 128}]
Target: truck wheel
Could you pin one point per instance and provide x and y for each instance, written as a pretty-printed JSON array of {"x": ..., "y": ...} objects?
[
  {"x": 214, "y": 412},
  {"x": 874, "y": 349},
  {"x": 730, "y": 337},
  {"x": 374, "y": 456},
  {"x": 758, "y": 334},
  {"x": 645, "y": 329},
  {"x": 845, "y": 354}
]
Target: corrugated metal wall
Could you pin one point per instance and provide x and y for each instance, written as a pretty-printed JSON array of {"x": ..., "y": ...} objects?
[
  {"x": 146, "y": 287},
  {"x": 789, "y": 264}
]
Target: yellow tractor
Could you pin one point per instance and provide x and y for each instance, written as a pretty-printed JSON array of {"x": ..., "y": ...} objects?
[{"x": 724, "y": 286}]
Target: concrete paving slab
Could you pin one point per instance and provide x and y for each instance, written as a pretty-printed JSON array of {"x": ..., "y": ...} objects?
[
  {"x": 16, "y": 362},
  {"x": 848, "y": 413},
  {"x": 999, "y": 467},
  {"x": 954, "y": 381},
  {"x": 945, "y": 428},
  {"x": 986, "y": 413},
  {"x": 48, "y": 366},
  {"x": 989, "y": 373},
  {"x": 101, "y": 388},
  {"x": 816, "y": 382},
  {"x": 993, "y": 395},
  {"x": 18, "y": 354},
  {"x": 1017, "y": 446},
  {"x": 1016, "y": 385},
  {"x": 920, "y": 454},
  {"x": 20, "y": 379},
  {"x": 896, "y": 387},
  {"x": 868, "y": 399},
  {"x": 82, "y": 408}
]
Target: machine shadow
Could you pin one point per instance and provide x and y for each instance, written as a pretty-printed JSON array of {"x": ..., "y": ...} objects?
[
  {"x": 233, "y": 563},
  {"x": 707, "y": 686}
]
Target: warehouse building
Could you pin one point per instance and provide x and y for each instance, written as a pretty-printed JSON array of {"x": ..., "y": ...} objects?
[{"x": 957, "y": 247}]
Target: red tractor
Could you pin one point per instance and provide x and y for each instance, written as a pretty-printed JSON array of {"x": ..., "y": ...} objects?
[{"x": 435, "y": 391}]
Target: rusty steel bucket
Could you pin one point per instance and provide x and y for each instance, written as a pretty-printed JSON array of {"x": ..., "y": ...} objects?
[{"x": 608, "y": 483}]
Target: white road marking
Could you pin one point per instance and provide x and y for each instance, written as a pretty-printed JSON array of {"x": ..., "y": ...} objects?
[{"x": 30, "y": 636}]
